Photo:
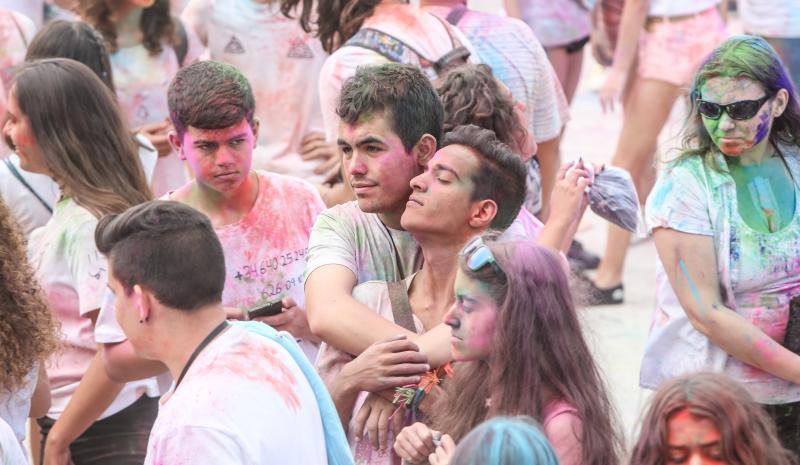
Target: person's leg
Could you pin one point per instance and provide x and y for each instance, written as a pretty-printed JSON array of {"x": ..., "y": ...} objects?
[
  {"x": 567, "y": 65},
  {"x": 646, "y": 111},
  {"x": 120, "y": 439}
]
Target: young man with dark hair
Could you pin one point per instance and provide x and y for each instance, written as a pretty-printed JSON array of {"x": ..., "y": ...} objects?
[
  {"x": 262, "y": 219},
  {"x": 364, "y": 240},
  {"x": 242, "y": 391},
  {"x": 472, "y": 184}
]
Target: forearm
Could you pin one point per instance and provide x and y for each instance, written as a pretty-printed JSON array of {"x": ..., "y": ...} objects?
[
  {"x": 747, "y": 343},
  {"x": 94, "y": 395},
  {"x": 549, "y": 162},
  {"x": 634, "y": 16},
  {"x": 40, "y": 402},
  {"x": 346, "y": 324},
  {"x": 123, "y": 365},
  {"x": 344, "y": 397},
  {"x": 553, "y": 235}
]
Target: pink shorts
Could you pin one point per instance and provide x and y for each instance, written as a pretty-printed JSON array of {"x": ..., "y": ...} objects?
[{"x": 672, "y": 51}]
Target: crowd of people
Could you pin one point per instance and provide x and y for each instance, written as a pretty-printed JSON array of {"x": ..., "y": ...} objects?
[{"x": 340, "y": 232}]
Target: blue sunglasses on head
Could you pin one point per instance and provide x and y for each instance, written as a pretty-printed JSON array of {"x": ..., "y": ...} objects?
[{"x": 480, "y": 255}]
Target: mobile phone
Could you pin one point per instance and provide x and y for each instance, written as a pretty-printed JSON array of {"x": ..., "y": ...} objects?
[
  {"x": 792, "y": 339},
  {"x": 270, "y": 309}
]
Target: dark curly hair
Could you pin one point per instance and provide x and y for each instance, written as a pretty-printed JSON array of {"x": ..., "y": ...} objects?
[
  {"x": 471, "y": 95},
  {"x": 28, "y": 330},
  {"x": 334, "y": 22},
  {"x": 156, "y": 24}
]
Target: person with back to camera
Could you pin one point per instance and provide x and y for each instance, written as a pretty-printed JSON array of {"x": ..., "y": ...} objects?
[
  {"x": 724, "y": 217},
  {"x": 244, "y": 393},
  {"x": 707, "y": 418}
]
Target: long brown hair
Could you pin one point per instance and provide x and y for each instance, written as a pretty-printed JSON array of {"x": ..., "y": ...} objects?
[
  {"x": 334, "y": 21},
  {"x": 28, "y": 330},
  {"x": 77, "y": 124},
  {"x": 539, "y": 355},
  {"x": 156, "y": 24},
  {"x": 747, "y": 434}
]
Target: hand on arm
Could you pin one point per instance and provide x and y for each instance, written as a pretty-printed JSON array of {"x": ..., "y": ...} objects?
[
  {"x": 691, "y": 266},
  {"x": 347, "y": 324},
  {"x": 634, "y": 17}
]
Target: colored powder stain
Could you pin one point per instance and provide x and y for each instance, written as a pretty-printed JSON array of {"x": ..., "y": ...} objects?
[
  {"x": 763, "y": 128},
  {"x": 262, "y": 364},
  {"x": 692, "y": 286}
]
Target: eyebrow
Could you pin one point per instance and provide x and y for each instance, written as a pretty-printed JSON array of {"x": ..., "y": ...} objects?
[
  {"x": 441, "y": 167},
  {"x": 706, "y": 445},
  {"x": 211, "y": 141}
]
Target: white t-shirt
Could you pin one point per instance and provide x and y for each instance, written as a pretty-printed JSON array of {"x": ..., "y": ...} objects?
[
  {"x": 142, "y": 80},
  {"x": 265, "y": 252},
  {"x": 415, "y": 27},
  {"x": 243, "y": 401},
  {"x": 15, "y": 406},
  {"x": 73, "y": 276},
  {"x": 345, "y": 235},
  {"x": 29, "y": 212},
  {"x": 11, "y": 452},
  {"x": 679, "y": 7},
  {"x": 282, "y": 63},
  {"x": 32, "y": 9},
  {"x": 770, "y": 18}
]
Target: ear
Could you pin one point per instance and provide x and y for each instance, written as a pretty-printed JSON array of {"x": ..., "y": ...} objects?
[
  {"x": 425, "y": 149},
  {"x": 254, "y": 126},
  {"x": 482, "y": 214},
  {"x": 143, "y": 300},
  {"x": 780, "y": 103},
  {"x": 176, "y": 142}
]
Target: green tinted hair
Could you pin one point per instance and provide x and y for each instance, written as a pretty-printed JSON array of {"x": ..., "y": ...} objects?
[{"x": 743, "y": 57}]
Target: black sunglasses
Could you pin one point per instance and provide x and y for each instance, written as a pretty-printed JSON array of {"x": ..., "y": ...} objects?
[{"x": 741, "y": 110}]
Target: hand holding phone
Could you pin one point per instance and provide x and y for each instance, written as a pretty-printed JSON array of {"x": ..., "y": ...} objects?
[{"x": 269, "y": 309}]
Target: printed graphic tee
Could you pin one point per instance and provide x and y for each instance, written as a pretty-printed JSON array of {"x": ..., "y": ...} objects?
[
  {"x": 282, "y": 63},
  {"x": 243, "y": 401},
  {"x": 73, "y": 276},
  {"x": 265, "y": 252}
]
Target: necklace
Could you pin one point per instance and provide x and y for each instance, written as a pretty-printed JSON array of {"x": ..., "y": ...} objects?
[{"x": 214, "y": 333}]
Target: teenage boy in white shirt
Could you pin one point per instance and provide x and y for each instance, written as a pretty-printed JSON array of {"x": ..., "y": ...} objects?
[{"x": 262, "y": 219}]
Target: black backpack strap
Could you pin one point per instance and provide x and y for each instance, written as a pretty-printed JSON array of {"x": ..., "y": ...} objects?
[
  {"x": 455, "y": 15},
  {"x": 459, "y": 55},
  {"x": 401, "y": 307},
  {"x": 22, "y": 181},
  {"x": 182, "y": 47}
]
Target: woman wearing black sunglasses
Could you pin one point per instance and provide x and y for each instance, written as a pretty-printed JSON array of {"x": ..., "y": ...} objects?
[{"x": 726, "y": 224}]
